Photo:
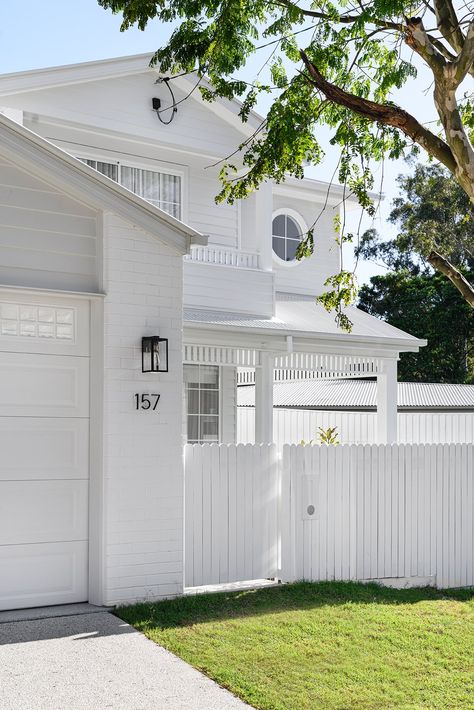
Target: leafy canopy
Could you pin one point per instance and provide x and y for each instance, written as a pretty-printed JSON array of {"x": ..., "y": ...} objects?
[
  {"x": 326, "y": 63},
  {"x": 431, "y": 212},
  {"x": 428, "y": 306},
  {"x": 216, "y": 38}
]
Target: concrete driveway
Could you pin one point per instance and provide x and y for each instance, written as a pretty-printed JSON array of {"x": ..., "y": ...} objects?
[{"x": 94, "y": 662}]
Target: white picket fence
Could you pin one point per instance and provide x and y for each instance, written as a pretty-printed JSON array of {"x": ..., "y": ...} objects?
[
  {"x": 399, "y": 513},
  {"x": 231, "y": 513}
]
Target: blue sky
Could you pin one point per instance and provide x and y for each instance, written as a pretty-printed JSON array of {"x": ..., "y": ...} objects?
[{"x": 40, "y": 33}]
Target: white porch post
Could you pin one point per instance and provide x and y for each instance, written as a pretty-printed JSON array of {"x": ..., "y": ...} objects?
[
  {"x": 387, "y": 403},
  {"x": 264, "y": 400}
]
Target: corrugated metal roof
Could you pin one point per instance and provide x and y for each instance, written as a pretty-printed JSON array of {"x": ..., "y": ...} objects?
[
  {"x": 197, "y": 315},
  {"x": 300, "y": 314},
  {"x": 361, "y": 394}
]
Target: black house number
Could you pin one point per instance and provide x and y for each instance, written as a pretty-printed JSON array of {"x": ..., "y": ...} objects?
[{"x": 147, "y": 401}]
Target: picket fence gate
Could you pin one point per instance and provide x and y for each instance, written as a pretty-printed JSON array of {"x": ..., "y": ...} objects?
[
  {"x": 231, "y": 528},
  {"x": 400, "y": 513}
]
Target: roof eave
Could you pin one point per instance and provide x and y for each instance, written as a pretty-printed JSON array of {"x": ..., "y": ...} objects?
[
  {"x": 79, "y": 73},
  {"x": 67, "y": 74},
  {"x": 399, "y": 344},
  {"x": 58, "y": 168}
]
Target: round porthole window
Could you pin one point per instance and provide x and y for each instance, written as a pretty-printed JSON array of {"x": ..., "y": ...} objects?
[{"x": 287, "y": 234}]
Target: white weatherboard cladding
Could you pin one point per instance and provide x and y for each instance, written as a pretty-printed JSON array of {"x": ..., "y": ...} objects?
[
  {"x": 218, "y": 222},
  {"x": 200, "y": 182},
  {"x": 142, "y": 449},
  {"x": 47, "y": 240},
  {"x": 123, "y": 105},
  {"x": 308, "y": 275},
  {"x": 228, "y": 288},
  {"x": 44, "y": 440}
]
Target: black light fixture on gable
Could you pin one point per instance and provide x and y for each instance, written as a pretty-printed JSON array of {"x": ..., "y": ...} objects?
[{"x": 154, "y": 354}]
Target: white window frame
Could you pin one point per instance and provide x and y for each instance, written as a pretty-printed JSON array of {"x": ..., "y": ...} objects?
[
  {"x": 141, "y": 164},
  {"x": 218, "y": 416},
  {"x": 287, "y": 211}
]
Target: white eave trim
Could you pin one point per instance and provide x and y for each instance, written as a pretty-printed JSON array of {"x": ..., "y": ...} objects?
[
  {"x": 307, "y": 188},
  {"x": 69, "y": 74},
  {"x": 308, "y": 341},
  {"x": 61, "y": 170}
]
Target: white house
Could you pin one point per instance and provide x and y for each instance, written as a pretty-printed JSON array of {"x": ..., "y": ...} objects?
[{"x": 99, "y": 202}]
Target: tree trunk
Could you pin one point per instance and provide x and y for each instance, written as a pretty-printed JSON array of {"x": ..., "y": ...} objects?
[{"x": 441, "y": 264}]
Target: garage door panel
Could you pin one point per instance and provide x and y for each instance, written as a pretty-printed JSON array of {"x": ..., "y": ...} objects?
[
  {"x": 43, "y": 448},
  {"x": 44, "y": 325},
  {"x": 43, "y": 511},
  {"x": 34, "y": 385},
  {"x": 37, "y": 575}
]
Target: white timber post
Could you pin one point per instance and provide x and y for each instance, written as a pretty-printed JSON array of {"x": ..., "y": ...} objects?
[
  {"x": 264, "y": 400},
  {"x": 387, "y": 403}
]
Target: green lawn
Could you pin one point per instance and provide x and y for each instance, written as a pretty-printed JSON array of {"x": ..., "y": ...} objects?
[{"x": 327, "y": 645}]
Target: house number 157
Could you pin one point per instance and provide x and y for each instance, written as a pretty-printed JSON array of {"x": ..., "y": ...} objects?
[{"x": 146, "y": 401}]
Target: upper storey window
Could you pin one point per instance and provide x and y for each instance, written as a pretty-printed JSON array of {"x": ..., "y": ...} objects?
[
  {"x": 161, "y": 189},
  {"x": 287, "y": 233}
]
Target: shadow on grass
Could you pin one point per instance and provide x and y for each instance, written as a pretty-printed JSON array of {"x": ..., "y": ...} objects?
[{"x": 202, "y": 608}]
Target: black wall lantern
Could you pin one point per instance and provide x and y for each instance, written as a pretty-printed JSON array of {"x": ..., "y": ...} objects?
[{"x": 154, "y": 354}]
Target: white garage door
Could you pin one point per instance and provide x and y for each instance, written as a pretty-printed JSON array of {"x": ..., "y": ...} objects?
[{"x": 44, "y": 450}]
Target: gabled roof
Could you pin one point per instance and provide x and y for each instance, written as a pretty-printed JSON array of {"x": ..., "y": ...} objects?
[
  {"x": 64, "y": 75},
  {"x": 228, "y": 110},
  {"x": 361, "y": 395},
  {"x": 30, "y": 152}
]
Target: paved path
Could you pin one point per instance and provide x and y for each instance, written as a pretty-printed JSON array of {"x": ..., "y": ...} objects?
[{"x": 97, "y": 662}]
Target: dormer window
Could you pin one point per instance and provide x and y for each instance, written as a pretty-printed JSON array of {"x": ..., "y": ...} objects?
[
  {"x": 161, "y": 189},
  {"x": 288, "y": 230}
]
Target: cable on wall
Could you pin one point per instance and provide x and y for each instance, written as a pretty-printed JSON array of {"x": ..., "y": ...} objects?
[{"x": 156, "y": 103}]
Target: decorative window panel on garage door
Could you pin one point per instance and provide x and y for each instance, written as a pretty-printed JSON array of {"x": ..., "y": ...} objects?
[{"x": 34, "y": 321}]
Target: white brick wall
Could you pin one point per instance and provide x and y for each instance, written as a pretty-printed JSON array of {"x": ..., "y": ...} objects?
[{"x": 142, "y": 449}]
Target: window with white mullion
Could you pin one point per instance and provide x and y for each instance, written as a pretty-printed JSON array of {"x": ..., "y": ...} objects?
[
  {"x": 162, "y": 190},
  {"x": 202, "y": 403}
]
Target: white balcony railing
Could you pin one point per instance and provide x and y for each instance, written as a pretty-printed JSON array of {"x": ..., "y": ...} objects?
[{"x": 223, "y": 256}]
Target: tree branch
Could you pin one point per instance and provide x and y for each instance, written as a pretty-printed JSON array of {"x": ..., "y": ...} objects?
[
  {"x": 448, "y": 24},
  {"x": 447, "y": 77},
  {"x": 380, "y": 24},
  {"x": 456, "y": 68},
  {"x": 465, "y": 59},
  {"x": 417, "y": 38},
  {"x": 441, "y": 264},
  {"x": 382, "y": 113}
]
